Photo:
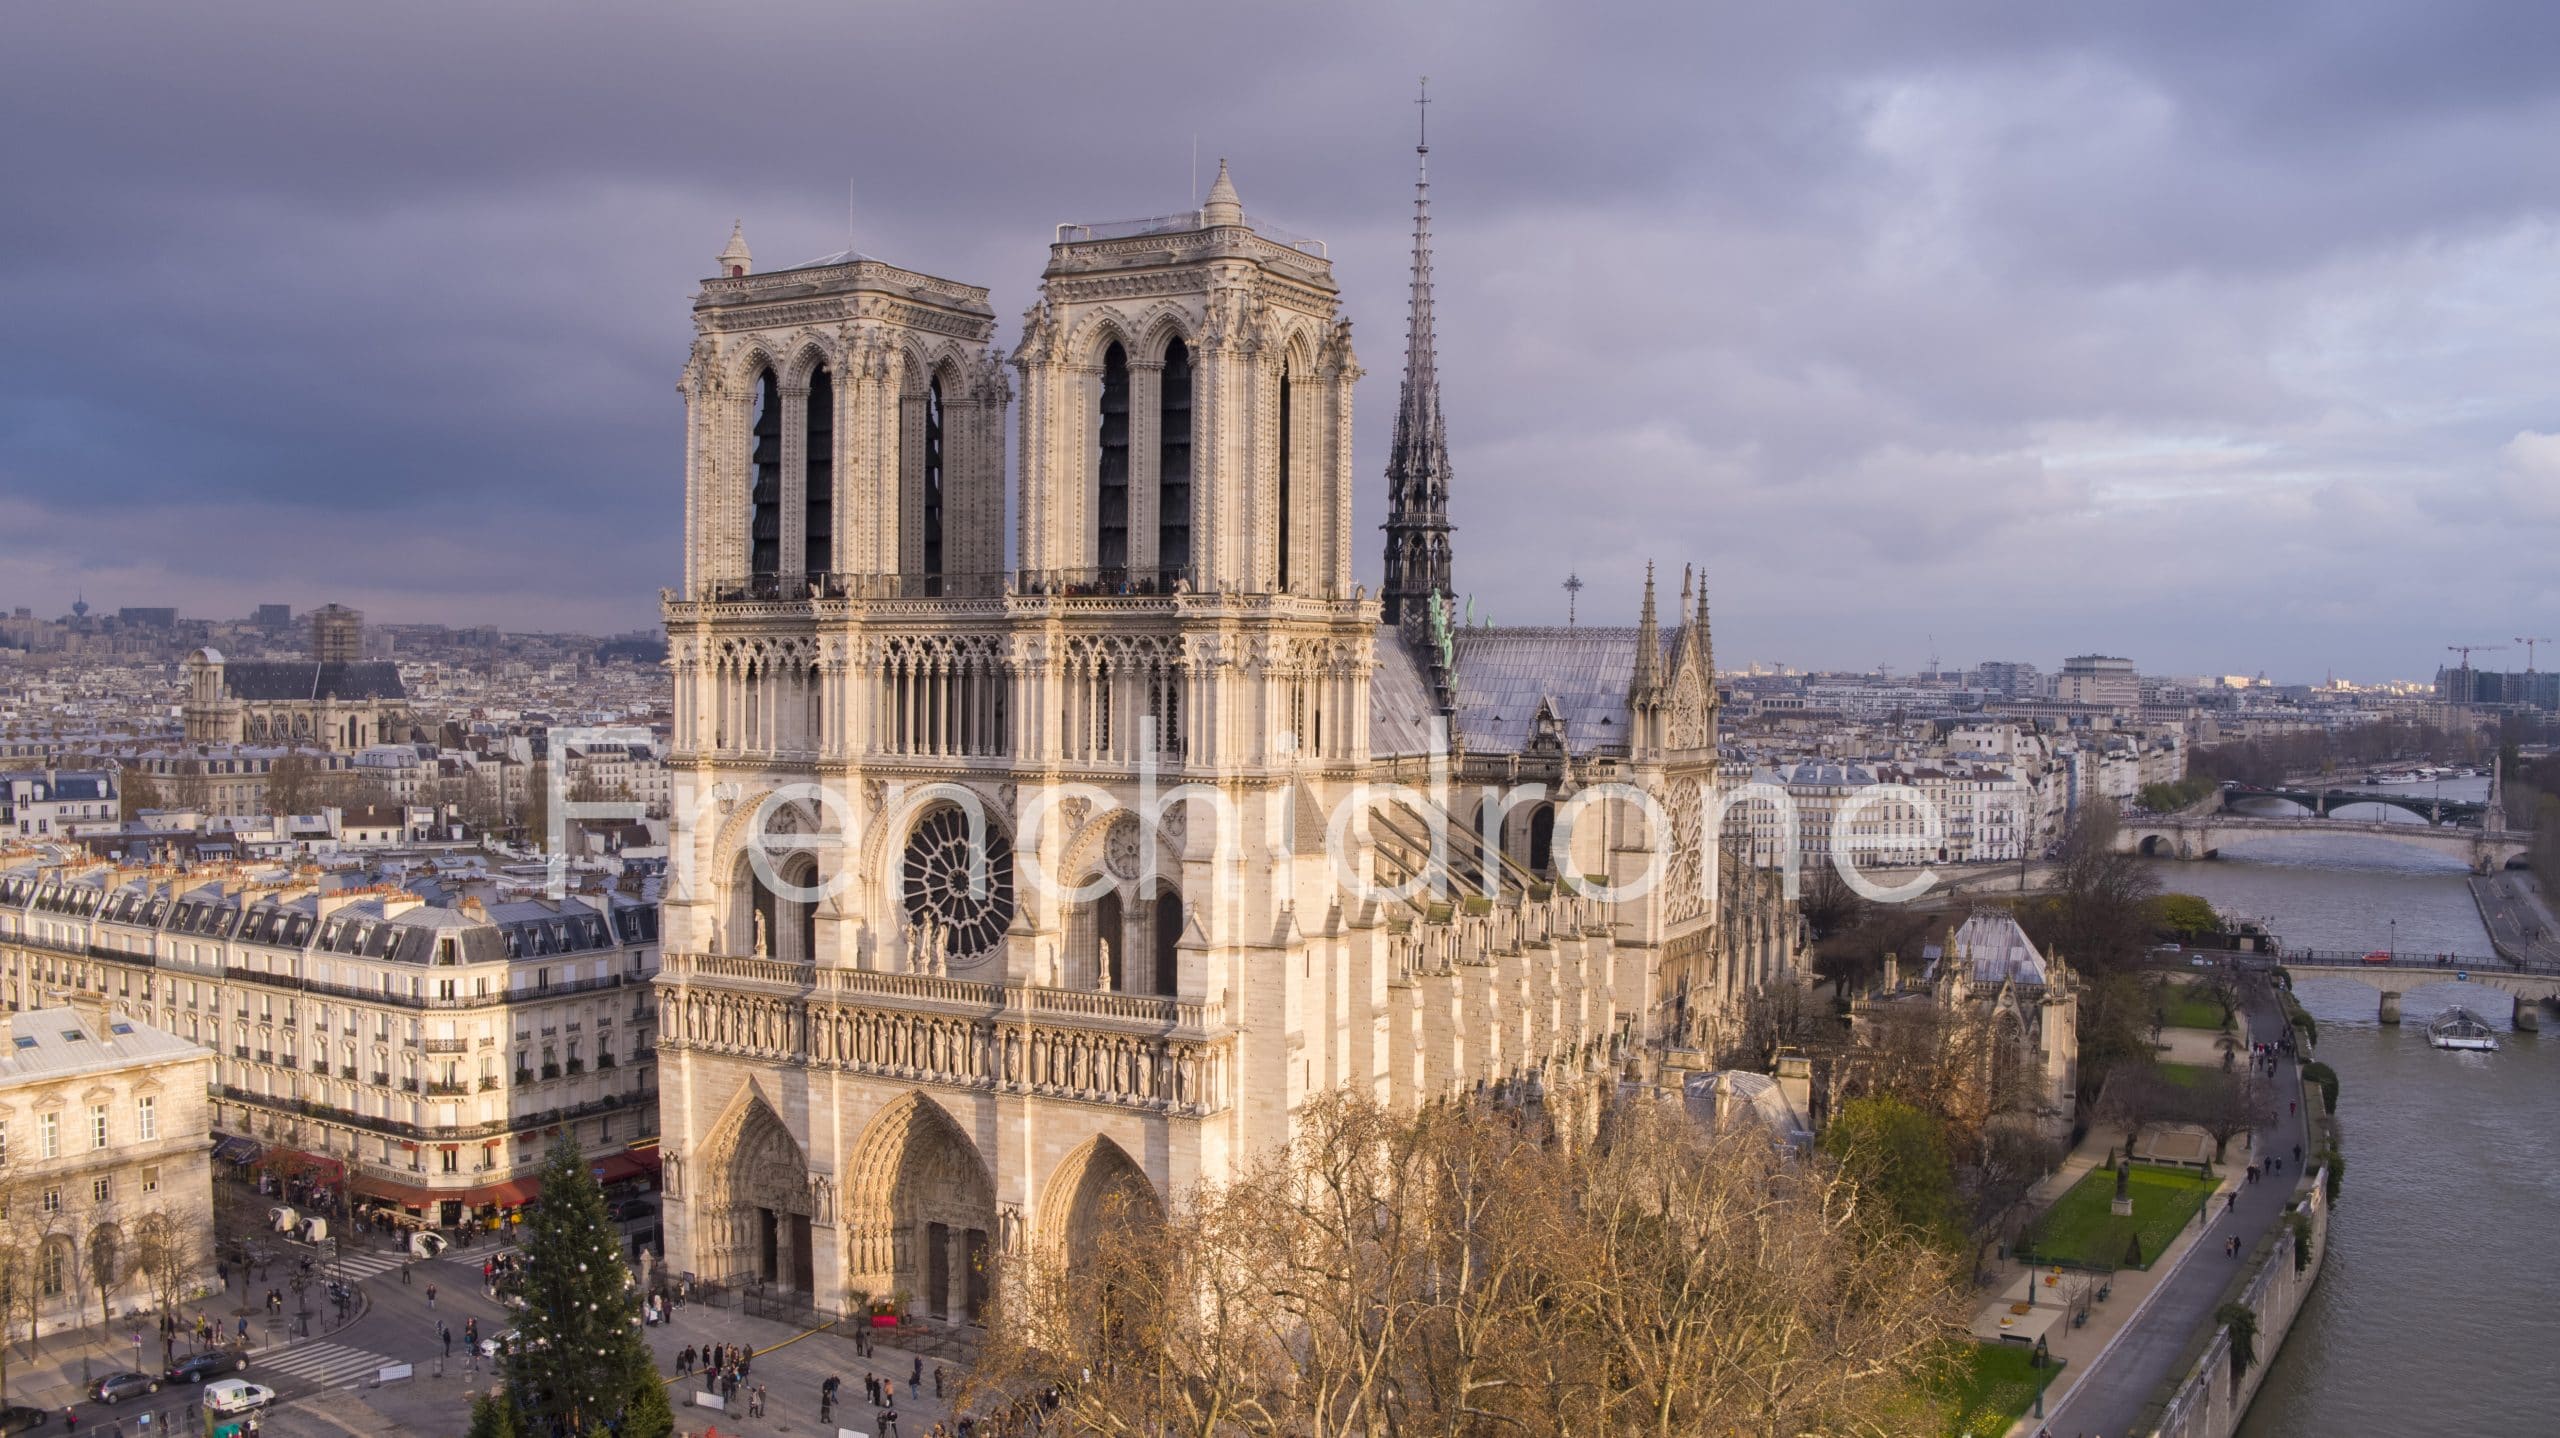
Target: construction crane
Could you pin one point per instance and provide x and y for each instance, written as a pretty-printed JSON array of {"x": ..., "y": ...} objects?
[
  {"x": 2469, "y": 693},
  {"x": 2528, "y": 650}
]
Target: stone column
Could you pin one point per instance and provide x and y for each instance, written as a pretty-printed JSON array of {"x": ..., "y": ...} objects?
[
  {"x": 2528, "y": 1015},
  {"x": 2390, "y": 1007}
]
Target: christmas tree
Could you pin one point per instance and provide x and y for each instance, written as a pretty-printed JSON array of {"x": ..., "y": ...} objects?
[{"x": 578, "y": 1364}]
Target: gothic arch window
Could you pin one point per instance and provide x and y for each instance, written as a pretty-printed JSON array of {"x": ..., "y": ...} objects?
[
  {"x": 1111, "y": 944},
  {"x": 933, "y": 476},
  {"x": 1542, "y": 837},
  {"x": 1168, "y": 934},
  {"x": 1288, "y": 464},
  {"x": 940, "y": 882},
  {"x": 764, "y": 529},
  {"x": 1173, "y": 462},
  {"x": 1111, "y": 507},
  {"x": 817, "y": 525}
]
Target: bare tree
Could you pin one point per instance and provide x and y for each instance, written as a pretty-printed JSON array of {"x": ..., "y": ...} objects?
[
  {"x": 1472, "y": 1269},
  {"x": 169, "y": 1255},
  {"x": 2227, "y": 1105}
]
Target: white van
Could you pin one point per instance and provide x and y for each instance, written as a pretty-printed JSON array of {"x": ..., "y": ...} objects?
[
  {"x": 282, "y": 1219},
  {"x": 235, "y": 1395},
  {"x": 315, "y": 1230}
]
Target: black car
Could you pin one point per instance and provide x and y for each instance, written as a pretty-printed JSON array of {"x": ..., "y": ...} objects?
[
  {"x": 117, "y": 1387},
  {"x": 211, "y": 1364},
  {"x": 18, "y": 1418}
]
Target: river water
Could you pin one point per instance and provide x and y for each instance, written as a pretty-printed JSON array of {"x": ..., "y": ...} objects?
[{"x": 2434, "y": 1314}]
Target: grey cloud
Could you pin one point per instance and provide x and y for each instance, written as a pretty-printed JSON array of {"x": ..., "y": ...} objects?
[{"x": 2015, "y": 324}]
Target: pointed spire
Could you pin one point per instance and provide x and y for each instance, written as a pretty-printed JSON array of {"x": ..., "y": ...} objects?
[
  {"x": 1706, "y": 634},
  {"x": 1648, "y": 669},
  {"x": 1224, "y": 206},
  {"x": 1418, "y": 551},
  {"x": 736, "y": 260}
]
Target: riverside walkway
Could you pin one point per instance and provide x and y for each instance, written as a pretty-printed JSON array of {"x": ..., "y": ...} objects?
[{"x": 2113, "y": 1392}]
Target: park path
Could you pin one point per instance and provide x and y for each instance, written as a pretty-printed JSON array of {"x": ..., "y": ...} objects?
[{"x": 2112, "y": 1394}]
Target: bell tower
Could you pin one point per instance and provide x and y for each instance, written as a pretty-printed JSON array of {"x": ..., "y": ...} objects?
[{"x": 1186, "y": 409}]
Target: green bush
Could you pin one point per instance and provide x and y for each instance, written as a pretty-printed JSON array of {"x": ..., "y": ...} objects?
[
  {"x": 2301, "y": 1225},
  {"x": 2327, "y": 1078}
]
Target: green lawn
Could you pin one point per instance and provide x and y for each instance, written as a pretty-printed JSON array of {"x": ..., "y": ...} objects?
[
  {"x": 2186, "y": 1008},
  {"x": 1989, "y": 1386},
  {"x": 2082, "y": 1229},
  {"x": 2188, "y": 1075}
]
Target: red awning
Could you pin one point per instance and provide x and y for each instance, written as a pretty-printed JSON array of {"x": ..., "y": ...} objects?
[
  {"x": 636, "y": 1163},
  {"x": 506, "y": 1195},
  {"x": 404, "y": 1194},
  {"x": 501, "y": 1195}
]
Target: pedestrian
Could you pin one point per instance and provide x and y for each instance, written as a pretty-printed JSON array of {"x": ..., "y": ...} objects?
[
  {"x": 244, "y": 1328},
  {"x": 871, "y": 1388},
  {"x": 889, "y": 1424},
  {"x": 915, "y": 1378},
  {"x": 431, "y": 1297},
  {"x": 2297, "y": 1153},
  {"x": 937, "y": 1380},
  {"x": 71, "y": 1419}
]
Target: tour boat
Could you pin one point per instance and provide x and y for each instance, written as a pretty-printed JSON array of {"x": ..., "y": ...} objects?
[{"x": 2460, "y": 1028}]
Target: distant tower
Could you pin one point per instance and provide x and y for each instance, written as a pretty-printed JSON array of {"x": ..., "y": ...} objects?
[
  {"x": 1418, "y": 461},
  {"x": 80, "y": 607},
  {"x": 337, "y": 634}
]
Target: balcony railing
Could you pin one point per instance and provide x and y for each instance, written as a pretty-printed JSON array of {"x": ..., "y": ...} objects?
[
  {"x": 1116, "y": 581},
  {"x": 448, "y": 1090},
  {"x": 446, "y": 1046}
]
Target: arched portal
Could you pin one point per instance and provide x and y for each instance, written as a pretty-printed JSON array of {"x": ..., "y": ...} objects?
[
  {"x": 920, "y": 1213},
  {"x": 752, "y": 1214},
  {"x": 1096, "y": 1190}
]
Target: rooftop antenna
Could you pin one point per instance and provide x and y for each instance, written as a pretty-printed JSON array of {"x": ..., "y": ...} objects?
[{"x": 1572, "y": 597}]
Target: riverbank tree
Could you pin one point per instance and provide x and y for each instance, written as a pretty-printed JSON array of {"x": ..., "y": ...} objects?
[{"x": 1583, "y": 1265}]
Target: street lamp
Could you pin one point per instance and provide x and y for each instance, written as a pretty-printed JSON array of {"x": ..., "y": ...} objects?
[{"x": 2395, "y": 938}]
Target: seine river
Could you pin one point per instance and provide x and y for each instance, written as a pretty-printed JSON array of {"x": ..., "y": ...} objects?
[{"x": 2434, "y": 1314}]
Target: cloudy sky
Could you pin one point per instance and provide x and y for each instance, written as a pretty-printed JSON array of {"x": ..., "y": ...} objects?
[{"x": 2221, "y": 336}]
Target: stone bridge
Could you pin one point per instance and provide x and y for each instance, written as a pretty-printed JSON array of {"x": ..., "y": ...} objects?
[
  {"x": 2530, "y": 985},
  {"x": 2192, "y": 835},
  {"x": 2320, "y": 803}
]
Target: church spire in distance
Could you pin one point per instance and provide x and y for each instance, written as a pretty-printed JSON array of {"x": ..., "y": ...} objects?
[{"x": 1418, "y": 461}]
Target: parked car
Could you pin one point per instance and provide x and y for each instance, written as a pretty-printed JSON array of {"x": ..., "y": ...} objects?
[
  {"x": 426, "y": 1245},
  {"x": 19, "y": 1418},
  {"x": 635, "y": 1208},
  {"x": 234, "y": 1395},
  {"x": 2377, "y": 957},
  {"x": 212, "y": 1363},
  {"x": 117, "y": 1387}
]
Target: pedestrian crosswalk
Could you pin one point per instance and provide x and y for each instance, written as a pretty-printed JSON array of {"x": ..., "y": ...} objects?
[
  {"x": 331, "y": 1365},
  {"x": 367, "y": 1263}
]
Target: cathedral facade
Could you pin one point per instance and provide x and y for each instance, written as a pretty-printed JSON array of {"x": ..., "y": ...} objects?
[{"x": 998, "y": 890}]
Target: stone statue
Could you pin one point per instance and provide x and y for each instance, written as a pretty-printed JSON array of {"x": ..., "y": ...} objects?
[
  {"x": 760, "y": 934},
  {"x": 1102, "y": 964},
  {"x": 1440, "y": 631}
]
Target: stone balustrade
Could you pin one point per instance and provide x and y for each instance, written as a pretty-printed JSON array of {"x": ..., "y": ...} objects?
[{"x": 1129, "y": 1050}]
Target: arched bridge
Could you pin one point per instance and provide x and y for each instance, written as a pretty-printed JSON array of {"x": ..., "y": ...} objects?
[
  {"x": 2529, "y": 984},
  {"x": 2191, "y": 835},
  {"x": 2324, "y": 802}
]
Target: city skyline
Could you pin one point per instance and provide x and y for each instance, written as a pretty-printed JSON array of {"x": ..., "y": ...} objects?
[{"x": 1840, "y": 315}]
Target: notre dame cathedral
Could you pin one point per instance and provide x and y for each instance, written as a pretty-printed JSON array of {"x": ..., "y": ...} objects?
[{"x": 1000, "y": 887}]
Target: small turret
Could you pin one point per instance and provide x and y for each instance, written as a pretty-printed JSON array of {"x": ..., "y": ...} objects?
[
  {"x": 1223, "y": 207},
  {"x": 736, "y": 260}
]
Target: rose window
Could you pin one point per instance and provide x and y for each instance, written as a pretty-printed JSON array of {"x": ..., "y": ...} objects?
[{"x": 944, "y": 887}]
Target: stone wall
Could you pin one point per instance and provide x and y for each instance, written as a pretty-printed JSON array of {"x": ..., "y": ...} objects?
[{"x": 2209, "y": 1402}]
